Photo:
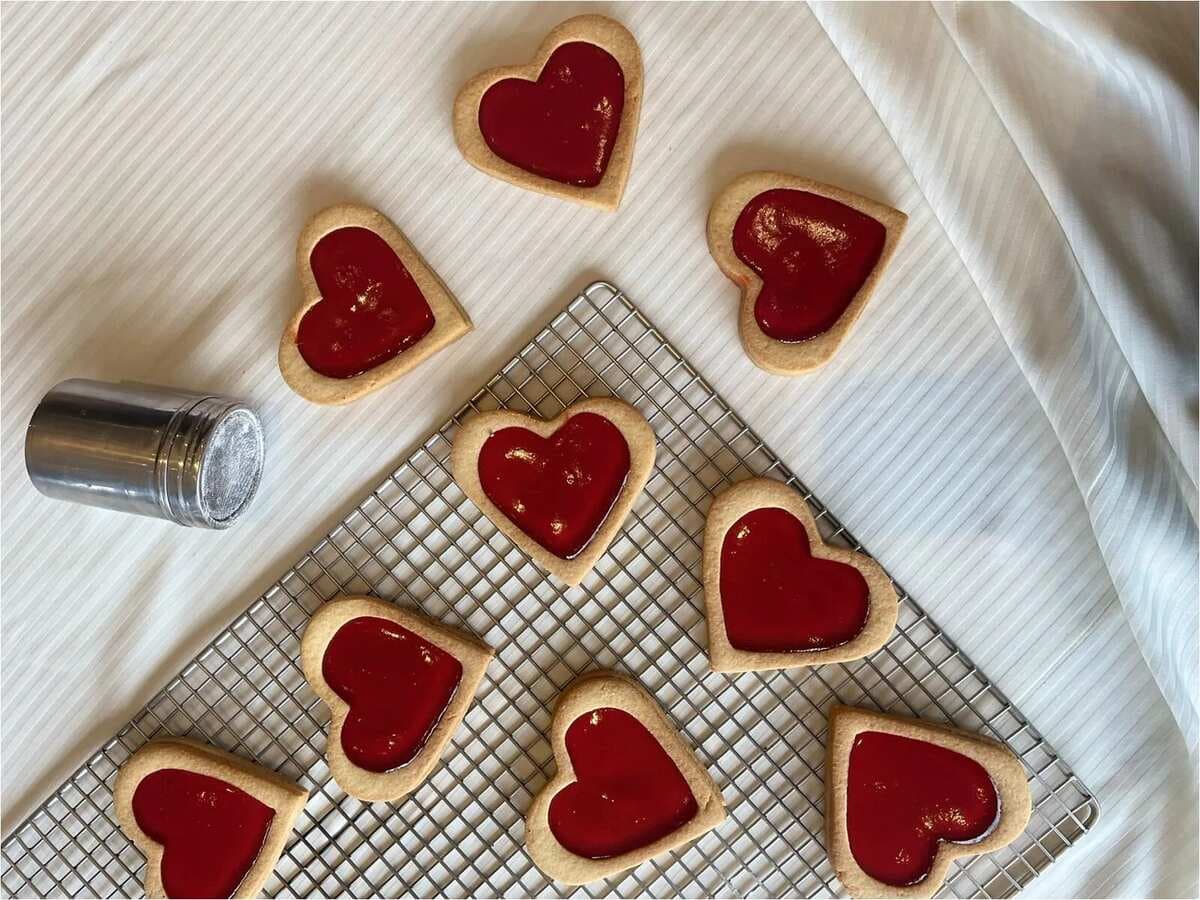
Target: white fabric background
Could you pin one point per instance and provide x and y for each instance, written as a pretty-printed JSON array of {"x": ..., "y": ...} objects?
[{"x": 1011, "y": 428}]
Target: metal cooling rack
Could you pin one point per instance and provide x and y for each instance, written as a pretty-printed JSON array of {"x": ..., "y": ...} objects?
[{"x": 418, "y": 540}]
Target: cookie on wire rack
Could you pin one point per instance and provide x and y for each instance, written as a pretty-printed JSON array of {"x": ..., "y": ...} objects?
[
  {"x": 627, "y": 787},
  {"x": 209, "y": 823},
  {"x": 397, "y": 685},
  {"x": 905, "y": 798},
  {"x": 777, "y": 596},
  {"x": 558, "y": 489}
]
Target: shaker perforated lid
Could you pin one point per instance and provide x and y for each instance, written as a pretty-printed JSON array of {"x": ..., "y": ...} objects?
[{"x": 195, "y": 459}]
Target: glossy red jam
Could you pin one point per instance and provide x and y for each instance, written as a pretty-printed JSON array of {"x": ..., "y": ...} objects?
[
  {"x": 564, "y": 125},
  {"x": 628, "y": 791},
  {"x": 370, "y": 311},
  {"x": 559, "y": 489},
  {"x": 211, "y": 831},
  {"x": 812, "y": 253},
  {"x": 776, "y": 596},
  {"x": 905, "y": 795},
  {"x": 397, "y": 685}
]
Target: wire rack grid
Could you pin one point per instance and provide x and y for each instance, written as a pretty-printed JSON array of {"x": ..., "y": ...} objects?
[{"x": 418, "y": 540}]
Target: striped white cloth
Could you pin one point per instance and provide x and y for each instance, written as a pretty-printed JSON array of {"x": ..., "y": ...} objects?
[
  {"x": 1001, "y": 161},
  {"x": 1011, "y": 428}
]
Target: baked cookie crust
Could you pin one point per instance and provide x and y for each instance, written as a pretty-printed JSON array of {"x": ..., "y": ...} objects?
[
  {"x": 473, "y": 654},
  {"x": 775, "y": 356},
  {"x": 464, "y": 462},
  {"x": 601, "y": 31},
  {"x": 450, "y": 320},
  {"x": 284, "y": 796},
  {"x": 1005, "y": 770},
  {"x": 608, "y": 689},
  {"x": 758, "y": 493}
]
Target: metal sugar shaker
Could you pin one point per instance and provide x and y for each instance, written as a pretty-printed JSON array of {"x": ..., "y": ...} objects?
[{"x": 192, "y": 458}]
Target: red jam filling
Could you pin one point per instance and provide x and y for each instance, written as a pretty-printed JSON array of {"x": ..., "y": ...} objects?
[
  {"x": 370, "y": 310},
  {"x": 777, "y": 597},
  {"x": 211, "y": 832},
  {"x": 564, "y": 125},
  {"x": 558, "y": 489},
  {"x": 628, "y": 791},
  {"x": 812, "y": 253},
  {"x": 397, "y": 685},
  {"x": 905, "y": 795}
]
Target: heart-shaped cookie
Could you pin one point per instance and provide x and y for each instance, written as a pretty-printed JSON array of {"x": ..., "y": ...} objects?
[
  {"x": 558, "y": 489},
  {"x": 209, "y": 824},
  {"x": 565, "y": 124},
  {"x": 904, "y": 798},
  {"x": 807, "y": 257},
  {"x": 397, "y": 685},
  {"x": 777, "y": 596},
  {"x": 373, "y": 309},
  {"x": 628, "y": 787}
]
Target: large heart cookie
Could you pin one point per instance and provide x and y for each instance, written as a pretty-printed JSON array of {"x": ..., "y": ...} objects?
[
  {"x": 564, "y": 124},
  {"x": 209, "y": 824},
  {"x": 628, "y": 787},
  {"x": 807, "y": 257},
  {"x": 372, "y": 309},
  {"x": 397, "y": 685},
  {"x": 905, "y": 798},
  {"x": 559, "y": 489},
  {"x": 777, "y": 596}
]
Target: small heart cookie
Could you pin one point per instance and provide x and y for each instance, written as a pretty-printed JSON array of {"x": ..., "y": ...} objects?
[
  {"x": 776, "y": 595},
  {"x": 628, "y": 787},
  {"x": 372, "y": 310},
  {"x": 397, "y": 685},
  {"x": 807, "y": 257},
  {"x": 558, "y": 489},
  {"x": 565, "y": 124},
  {"x": 209, "y": 823},
  {"x": 904, "y": 798}
]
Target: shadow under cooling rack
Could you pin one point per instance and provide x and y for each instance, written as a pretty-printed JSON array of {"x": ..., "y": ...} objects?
[{"x": 417, "y": 540}]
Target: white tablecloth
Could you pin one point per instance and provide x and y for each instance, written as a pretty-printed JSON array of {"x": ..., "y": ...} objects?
[{"x": 1011, "y": 428}]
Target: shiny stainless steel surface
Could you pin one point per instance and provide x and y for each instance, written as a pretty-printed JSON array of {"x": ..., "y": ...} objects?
[{"x": 144, "y": 449}]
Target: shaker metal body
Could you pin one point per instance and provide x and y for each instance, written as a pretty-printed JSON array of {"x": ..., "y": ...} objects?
[{"x": 189, "y": 457}]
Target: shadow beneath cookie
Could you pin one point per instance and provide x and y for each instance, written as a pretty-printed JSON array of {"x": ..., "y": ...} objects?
[{"x": 741, "y": 157}]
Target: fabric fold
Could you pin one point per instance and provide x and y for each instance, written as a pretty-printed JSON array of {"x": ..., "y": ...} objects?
[{"x": 1088, "y": 329}]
